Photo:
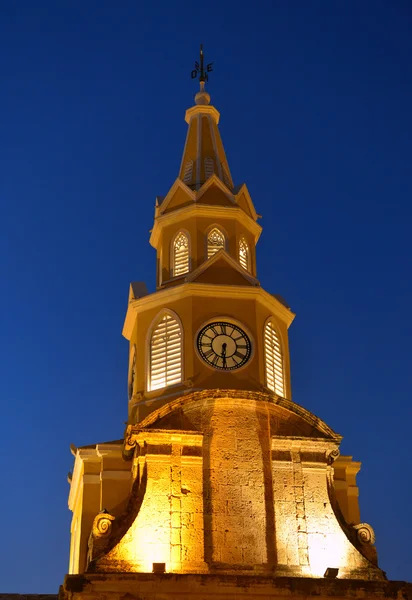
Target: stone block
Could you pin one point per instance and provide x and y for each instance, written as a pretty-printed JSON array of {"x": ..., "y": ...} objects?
[{"x": 303, "y": 556}]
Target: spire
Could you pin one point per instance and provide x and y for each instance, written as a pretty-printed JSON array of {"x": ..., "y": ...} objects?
[{"x": 204, "y": 154}]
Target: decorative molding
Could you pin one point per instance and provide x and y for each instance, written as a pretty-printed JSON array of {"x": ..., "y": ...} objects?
[
  {"x": 184, "y": 290},
  {"x": 102, "y": 525},
  {"x": 365, "y": 533},
  {"x": 331, "y": 437},
  {"x": 202, "y": 210},
  {"x": 332, "y": 455}
]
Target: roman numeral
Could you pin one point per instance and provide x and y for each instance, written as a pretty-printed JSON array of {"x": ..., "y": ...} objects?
[
  {"x": 238, "y": 354},
  {"x": 223, "y": 328},
  {"x": 209, "y": 353}
]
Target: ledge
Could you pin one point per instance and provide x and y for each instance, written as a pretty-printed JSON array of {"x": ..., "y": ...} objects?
[{"x": 176, "y": 586}]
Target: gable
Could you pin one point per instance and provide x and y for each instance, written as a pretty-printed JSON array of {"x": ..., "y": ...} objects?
[
  {"x": 222, "y": 272},
  {"x": 222, "y": 268},
  {"x": 215, "y": 196},
  {"x": 244, "y": 204},
  {"x": 178, "y": 200}
]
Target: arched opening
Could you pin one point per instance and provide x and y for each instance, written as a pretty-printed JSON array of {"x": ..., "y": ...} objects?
[
  {"x": 273, "y": 360},
  {"x": 180, "y": 254},
  {"x": 165, "y": 353},
  {"x": 244, "y": 254},
  {"x": 215, "y": 241}
]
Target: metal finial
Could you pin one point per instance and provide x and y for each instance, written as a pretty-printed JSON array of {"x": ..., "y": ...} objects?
[{"x": 200, "y": 70}]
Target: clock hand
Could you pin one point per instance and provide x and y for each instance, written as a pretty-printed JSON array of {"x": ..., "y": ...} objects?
[{"x": 224, "y": 345}]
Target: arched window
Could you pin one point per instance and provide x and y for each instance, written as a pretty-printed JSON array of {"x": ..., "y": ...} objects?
[
  {"x": 180, "y": 253},
  {"x": 244, "y": 254},
  {"x": 273, "y": 360},
  {"x": 209, "y": 167},
  {"x": 165, "y": 353},
  {"x": 132, "y": 370},
  {"x": 215, "y": 241},
  {"x": 187, "y": 174}
]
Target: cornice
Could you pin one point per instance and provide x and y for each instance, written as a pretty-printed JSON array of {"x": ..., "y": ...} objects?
[
  {"x": 204, "y": 109},
  {"x": 204, "y": 210},
  {"x": 304, "y": 444},
  {"x": 83, "y": 455},
  {"x": 109, "y": 449},
  {"x": 171, "y": 294},
  {"x": 162, "y": 297},
  {"x": 332, "y": 438}
]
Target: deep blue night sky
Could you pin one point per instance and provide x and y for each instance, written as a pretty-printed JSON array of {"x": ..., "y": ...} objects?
[{"x": 316, "y": 100}]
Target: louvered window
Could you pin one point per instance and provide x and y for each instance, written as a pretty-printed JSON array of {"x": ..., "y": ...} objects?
[
  {"x": 165, "y": 354},
  {"x": 273, "y": 360},
  {"x": 226, "y": 178},
  {"x": 209, "y": 167},
  {"x": 187, "y": 174},
  {"x": 215, "y": 241},
  {"x": 244, "y": 253},
  {"x": 180, "y": 254}
]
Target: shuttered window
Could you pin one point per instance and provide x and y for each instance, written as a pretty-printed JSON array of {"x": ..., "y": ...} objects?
[
  {"x": 273, "y": 360},
  {"x": 226, "y": 178},
  {"x": 165, "y": 354},
  {"x": 180, "y": 254},
  {"x": 244, "y": 253},
  {"x": 187, "y": 175},
  {"x": 209, "y": 167},
  {"x": 215, "y": 241}
]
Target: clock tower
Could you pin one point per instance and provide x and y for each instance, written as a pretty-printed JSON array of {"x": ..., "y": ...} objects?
[
  {"x": 209, "y": 324},
  {"x": 222, "y": 484}
]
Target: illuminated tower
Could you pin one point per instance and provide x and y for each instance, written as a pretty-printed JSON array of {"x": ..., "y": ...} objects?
[{"x": 220, "y": 475}]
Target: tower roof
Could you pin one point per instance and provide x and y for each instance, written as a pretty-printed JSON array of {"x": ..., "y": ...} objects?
[{"x": 203, "y": 153}]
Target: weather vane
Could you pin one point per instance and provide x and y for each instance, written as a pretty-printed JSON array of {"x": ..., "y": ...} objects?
[{"x": 200, "y": 70}]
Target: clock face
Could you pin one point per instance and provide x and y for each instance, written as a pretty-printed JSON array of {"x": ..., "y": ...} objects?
[{"x": 224, "y": 345}]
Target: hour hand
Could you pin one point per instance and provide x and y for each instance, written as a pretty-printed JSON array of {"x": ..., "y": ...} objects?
[{"x": 224, "y": 345}]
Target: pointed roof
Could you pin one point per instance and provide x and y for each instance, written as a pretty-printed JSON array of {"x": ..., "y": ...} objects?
[
  {"x": 222, "y": 267},
  {"x": 204, "y": 153}
]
